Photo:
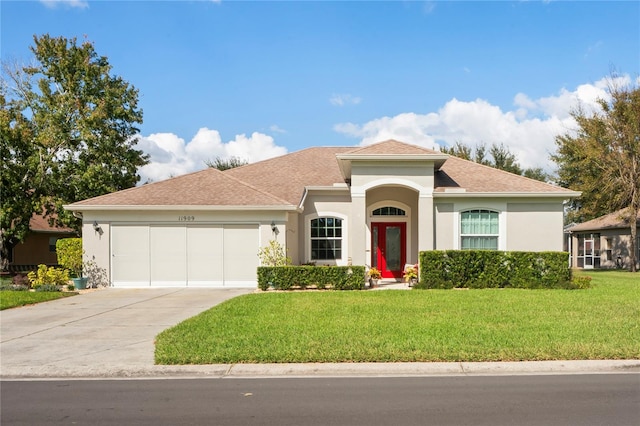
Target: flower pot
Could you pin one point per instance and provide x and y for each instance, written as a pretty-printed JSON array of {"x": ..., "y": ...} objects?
[{"x": 80, "y": 283}]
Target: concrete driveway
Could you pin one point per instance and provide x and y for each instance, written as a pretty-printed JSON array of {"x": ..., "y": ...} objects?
[{"x": 105, "y": 330}]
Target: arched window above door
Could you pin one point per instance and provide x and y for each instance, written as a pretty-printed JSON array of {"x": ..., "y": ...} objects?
[{"x": 389, "y": 211}]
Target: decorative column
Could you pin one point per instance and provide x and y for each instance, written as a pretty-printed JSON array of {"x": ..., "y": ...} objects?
[
  {"x": 358, "y": 227},
  {"x": 425, "y": 220}
]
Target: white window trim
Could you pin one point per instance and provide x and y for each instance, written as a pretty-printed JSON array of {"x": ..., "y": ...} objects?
[
  {"x": 345, "y": 238},
  {"x": 500, "y": 208}
]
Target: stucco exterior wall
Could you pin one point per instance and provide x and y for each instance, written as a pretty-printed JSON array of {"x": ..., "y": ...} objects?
[
  {"x": 524, "y": 225},
  {"x": 535, "y": 226},
  {"x": 444, "y": 226},
  {"x": 321, "y": 204}
]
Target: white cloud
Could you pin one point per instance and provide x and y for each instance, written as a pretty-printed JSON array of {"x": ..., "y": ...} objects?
[
  {"x": 170, "y": 155},
  {"x": 344, "y": 99},
  {"x": 528, "y": 130},
  {"x": 275, "y": 128},
  {"x": 81, "y": 4}
]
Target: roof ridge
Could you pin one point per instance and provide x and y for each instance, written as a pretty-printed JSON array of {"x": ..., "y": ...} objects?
[{"x": 364, "y": 147}]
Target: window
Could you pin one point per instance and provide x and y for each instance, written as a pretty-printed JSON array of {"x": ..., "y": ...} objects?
[
  {"x": 389, "y": 211},
  {"x": 326, "y": 238},
  {"x": 479, "y": 230},
  {"x": 52, "y": 244}
]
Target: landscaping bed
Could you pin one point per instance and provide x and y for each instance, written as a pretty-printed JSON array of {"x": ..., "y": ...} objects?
[{"x": 433, "y": 325}]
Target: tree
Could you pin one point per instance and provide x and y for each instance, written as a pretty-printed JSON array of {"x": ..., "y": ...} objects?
[
  {"x": 225, "y": 164},
  {"x": 18, "y": 199},
  {"x": 71, "y": 131},
  {"x": 501, "y": 158},
  {"x": 601, "y": 158}
]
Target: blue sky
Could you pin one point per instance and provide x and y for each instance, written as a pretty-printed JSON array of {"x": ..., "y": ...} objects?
[{"x": 258, "y": 79}]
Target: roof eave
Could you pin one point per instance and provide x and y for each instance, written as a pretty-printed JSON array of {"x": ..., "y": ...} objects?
[
  {"x": 562, "y": 195},
  {"x": 75, "y": 207}
]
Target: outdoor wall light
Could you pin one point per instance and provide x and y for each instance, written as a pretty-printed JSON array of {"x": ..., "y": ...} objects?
[
  {"x": 97, "y": 227},
  {"x": 274, "y": 228}
]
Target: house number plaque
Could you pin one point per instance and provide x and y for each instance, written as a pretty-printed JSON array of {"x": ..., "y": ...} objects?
[{"x": 186, "y": 218}]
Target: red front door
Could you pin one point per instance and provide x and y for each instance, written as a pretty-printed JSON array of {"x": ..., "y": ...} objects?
[{"x": 389, "y": 246}]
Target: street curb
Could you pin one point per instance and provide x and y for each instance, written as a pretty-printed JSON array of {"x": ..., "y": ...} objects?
[{"x": 402, "y": 369}]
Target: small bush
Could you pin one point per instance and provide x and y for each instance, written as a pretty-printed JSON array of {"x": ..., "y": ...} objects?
[
  {"x": 302, "y": 277},
  {"x": 48, "y": 287},
  {"x": 581, "y": 282},
  {"x": 48, "y": 276},
  {"x": 69, "y": 252}
]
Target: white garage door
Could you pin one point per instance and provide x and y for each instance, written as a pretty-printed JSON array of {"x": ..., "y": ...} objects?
[{"x": 179, "y": 256}]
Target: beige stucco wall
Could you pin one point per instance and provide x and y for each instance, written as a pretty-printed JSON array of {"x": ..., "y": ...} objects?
[
  {"x": 535, "y": 226},
  {"x": 524, "y": 225},
  {"x": 325, "y": 203},
  {"x": 368, "y": 175},
  {"x": 444, "y": 224}
]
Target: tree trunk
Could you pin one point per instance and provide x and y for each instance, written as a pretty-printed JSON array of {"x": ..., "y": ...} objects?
[{"x": 633, "y": 223}]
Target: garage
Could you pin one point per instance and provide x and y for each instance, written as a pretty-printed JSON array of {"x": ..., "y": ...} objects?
[{"x": 184, "y": 255}]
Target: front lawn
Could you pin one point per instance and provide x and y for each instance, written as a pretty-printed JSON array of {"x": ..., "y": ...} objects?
[
  {"x": 421, "y": 325},
  {"x": 13, "y": 299}
]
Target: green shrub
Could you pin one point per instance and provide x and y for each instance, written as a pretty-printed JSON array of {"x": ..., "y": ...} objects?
[
  {"x": 48, "y": 287},
  {"x": 48, "y": 276},
  {"x": 69, "y": 251},
  {"x": 493, "y": 269},
  {"x": 320, "y": 277}
]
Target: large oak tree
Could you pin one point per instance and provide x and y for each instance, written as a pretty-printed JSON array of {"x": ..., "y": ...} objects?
[
  {"x": 601, "y": 158},
  {"x": 69, "y": 132}
]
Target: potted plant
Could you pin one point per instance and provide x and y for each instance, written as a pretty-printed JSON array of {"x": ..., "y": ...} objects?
[
  {"x": 411, "y": 275},
  {"x": 69, "y": 251},
  {"x": 374, "y": 276}
]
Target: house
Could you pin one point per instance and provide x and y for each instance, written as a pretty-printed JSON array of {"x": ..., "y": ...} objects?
[
  {"x": 378, "y": 205},
  {"x": 39, "y": 247},
  {"x": 604, "y": 242}
]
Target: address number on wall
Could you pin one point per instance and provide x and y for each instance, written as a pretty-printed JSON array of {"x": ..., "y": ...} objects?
[{"x": 186, "y": 218}]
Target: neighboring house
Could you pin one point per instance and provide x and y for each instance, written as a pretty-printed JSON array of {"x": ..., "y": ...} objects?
[
  {"x": 39, "y": 247},
  {"x": 378, "y": 205},
  {"x": 604, "y": 242}
]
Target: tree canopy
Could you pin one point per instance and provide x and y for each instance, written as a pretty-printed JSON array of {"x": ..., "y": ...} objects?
[
  {"x": 500, "y": 158},
  {"x": 601, "y": 158},
  {"x": 225, "y": 164},
  {"x": 69, "y": 132}
]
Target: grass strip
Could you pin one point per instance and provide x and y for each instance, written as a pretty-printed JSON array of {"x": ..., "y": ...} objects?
[
  {"x": 13, "y": 299},
  {"x": 429, "y": 325}
]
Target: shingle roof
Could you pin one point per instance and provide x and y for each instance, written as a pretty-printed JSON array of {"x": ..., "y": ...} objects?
[
  {"x": 208, "y": 187},
  {"x": 474, "y": 177},
  {"x": 613, "y": 220},
  {"x": 281, "y": 181},
  {"x": 39, "y": 223},
  {"x": 286, "y": 176},
  {"x": 392, "y": 147}
]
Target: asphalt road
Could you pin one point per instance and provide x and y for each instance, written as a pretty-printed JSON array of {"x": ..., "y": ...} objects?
[{"x": 612, "y": 399}]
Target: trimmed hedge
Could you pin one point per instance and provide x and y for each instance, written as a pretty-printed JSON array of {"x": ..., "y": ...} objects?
[
  {"x": 321, "y": 277},
  {"x": 494, "y": 269}
]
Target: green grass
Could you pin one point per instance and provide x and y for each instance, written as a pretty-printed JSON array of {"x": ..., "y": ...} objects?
[
  {"x": 13, "y": 299},
  {"x": 431, "y": 325}
]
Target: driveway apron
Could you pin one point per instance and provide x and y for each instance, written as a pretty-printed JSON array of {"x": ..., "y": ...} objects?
[{"x": 107, "y": 329}]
